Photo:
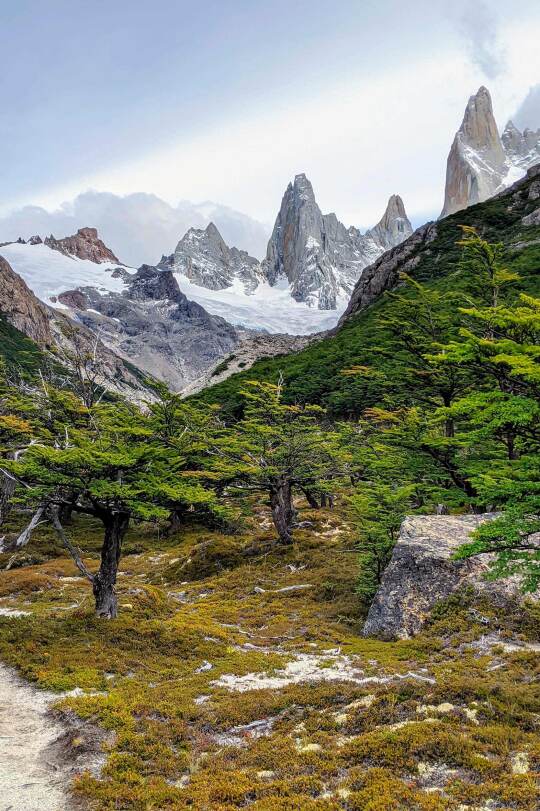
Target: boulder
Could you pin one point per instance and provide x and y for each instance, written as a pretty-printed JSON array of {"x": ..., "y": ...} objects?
[{"x": 422, "y": 572}]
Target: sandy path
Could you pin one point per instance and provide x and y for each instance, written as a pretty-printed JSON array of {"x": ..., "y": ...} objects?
[{"x": 29, "y": 780}]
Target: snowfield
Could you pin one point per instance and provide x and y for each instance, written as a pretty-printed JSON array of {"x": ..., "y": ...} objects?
[
  {"x": 48, "y": 273},
  {"x": 271, "y": 309}
]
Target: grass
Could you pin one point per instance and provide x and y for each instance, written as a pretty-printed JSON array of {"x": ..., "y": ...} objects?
[{"x": 206, "y": 598}]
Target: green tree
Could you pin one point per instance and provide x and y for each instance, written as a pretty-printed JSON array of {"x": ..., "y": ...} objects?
[
  {"x": 377, "y": 510},
  {"x": 277, "y": 448},
  {"x": 115, "y": 468},
  {"x": 499, "y": 419}
]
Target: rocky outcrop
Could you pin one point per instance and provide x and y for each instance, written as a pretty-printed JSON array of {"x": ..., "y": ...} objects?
[
  {"x": 152, "y": 324},
  {"x": 203, "y": 257},
  {"x": 21, "y": 308},
  {"x": 320, "y": 258},
  {"x": 422, "y": 572},
  {"x": 85, "y": 244},
  {"x": 481, "y": 163},
  {"x": 385, "y": 272}
]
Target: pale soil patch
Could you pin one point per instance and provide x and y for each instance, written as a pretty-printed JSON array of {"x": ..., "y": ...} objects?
[
  {"x": 29, "y": 780},
  {"x": 306, "y": 667}
]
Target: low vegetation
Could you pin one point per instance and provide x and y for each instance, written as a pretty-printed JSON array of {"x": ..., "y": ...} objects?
[{"x": 235, "y": 541}]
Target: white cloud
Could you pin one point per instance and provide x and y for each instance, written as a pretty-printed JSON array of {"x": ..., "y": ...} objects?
[
  {"x": 359, "y": 139},
  {"x": 478, "y": 24}
]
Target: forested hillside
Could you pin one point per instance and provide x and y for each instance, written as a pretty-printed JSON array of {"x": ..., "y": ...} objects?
[{"x": 316, "y": 374}]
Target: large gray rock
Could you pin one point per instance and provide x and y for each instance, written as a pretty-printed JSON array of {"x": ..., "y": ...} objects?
[
  {"x": 481, "y": 163},
  {"x": 422, "y": 572}
]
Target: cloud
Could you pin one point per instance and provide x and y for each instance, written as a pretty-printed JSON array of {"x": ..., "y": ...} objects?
[
  {"x": 137, "y": 227},
  {"x": 528, "y": 112},
  {"x": 478, "y": 25}
]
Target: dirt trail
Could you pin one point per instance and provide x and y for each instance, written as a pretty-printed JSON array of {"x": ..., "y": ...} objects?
[{"x": 30, "y": 780}]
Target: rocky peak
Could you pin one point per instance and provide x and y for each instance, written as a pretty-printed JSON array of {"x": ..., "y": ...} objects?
[
  {"x": 481, "y": 163},
  {"x": 204, "y": 258},
  {"x": 479, "y": 128},
  {"x": 476, "y": 164},
  {"x": 522, "y": 148},
  {"x": 85, "y": 244},
  {"x": 321, "y": 258},
  {"x": 394, "y": 226}
]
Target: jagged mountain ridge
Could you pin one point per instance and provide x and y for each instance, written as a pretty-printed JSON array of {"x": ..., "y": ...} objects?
[
  {"x": 481, "y": 162},
  {"x": 312, "y": 253}
]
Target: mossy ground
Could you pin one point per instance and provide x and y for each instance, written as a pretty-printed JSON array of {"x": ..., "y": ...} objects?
[{"x": 451, "y": 722}]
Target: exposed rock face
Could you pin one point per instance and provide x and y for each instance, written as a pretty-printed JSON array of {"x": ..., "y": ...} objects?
[
  {"x": 204, "y": 258},
  {"x": 154, "y": 326},
  {"x": 21, "y": 307},
  {"x": 85, "y": 244},
  {"x": 321, "y": 258},
  {"x": 481, "y": 163},
  {"x": 384, "y": 273},
  {"x": 422, "y": 572}
]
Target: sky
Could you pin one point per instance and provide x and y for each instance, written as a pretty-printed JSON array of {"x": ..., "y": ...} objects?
[{"x": 227, "y": 100}]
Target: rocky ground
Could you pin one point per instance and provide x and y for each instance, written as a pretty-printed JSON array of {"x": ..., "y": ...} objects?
[{"x": 236, "y": 677}]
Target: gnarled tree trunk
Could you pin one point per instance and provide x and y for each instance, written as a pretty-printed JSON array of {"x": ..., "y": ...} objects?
[
  {"x": 7, "y": 489},
  {"x": 311, "y": 498},
  {"x": 116, "y": 525},
  {"x": 282, "y": 509}
]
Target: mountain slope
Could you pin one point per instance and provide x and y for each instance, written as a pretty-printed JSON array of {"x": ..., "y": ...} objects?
[
  {"x": 142, "y": 316},
  {"x": 429, "y": 255},
  {"x": 34, "y": 335}
]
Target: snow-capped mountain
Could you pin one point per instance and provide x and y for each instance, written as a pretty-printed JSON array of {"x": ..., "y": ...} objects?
[
  {"x": 142, "y": 316},
  {"x": 482, "y": 163},
  {"x": 312, "y": 264}
]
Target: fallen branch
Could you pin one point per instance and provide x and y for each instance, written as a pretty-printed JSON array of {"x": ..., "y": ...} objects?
[{"x": 26, "y": 534}]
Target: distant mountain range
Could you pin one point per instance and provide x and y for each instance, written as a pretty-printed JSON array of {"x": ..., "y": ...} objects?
[
  {"x": 311, "y": 256},
  {"x": 139, "y": 227},
  {"x": 206, "y": 301}
]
